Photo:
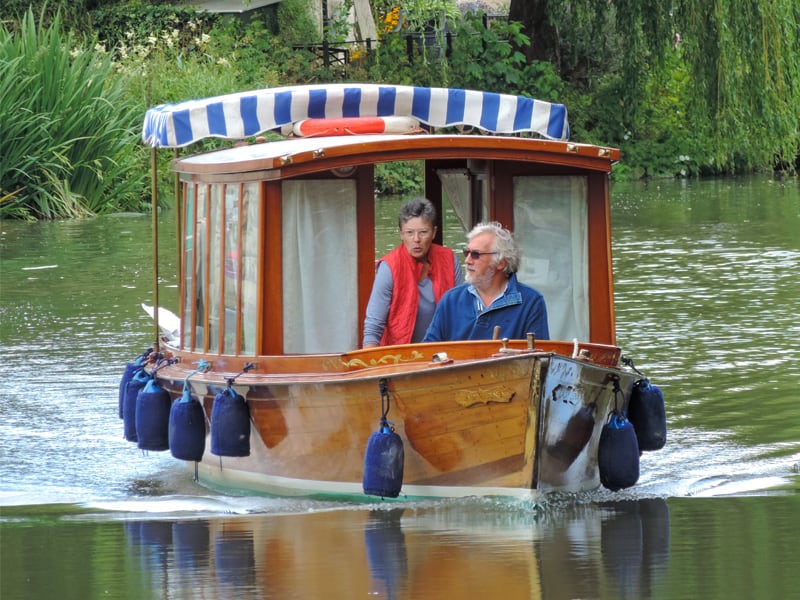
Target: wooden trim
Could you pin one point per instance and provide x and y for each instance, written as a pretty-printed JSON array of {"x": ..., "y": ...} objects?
[
  {"x": 289, "y": 158},
  {"x": 178, "y": 190},
  {"x": 182, "y": 267},
  {"x": 433, "y": 192},
  {"x": 601, "y": 287},
  {"x": 501, "y": 177},
  {"x": 365, "y": 227},
  {"x": 271, "y": 262}
]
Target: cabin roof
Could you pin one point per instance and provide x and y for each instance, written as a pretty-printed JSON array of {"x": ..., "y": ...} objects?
[
  {"x": 246, "y": 114},
  {"x": 369, "y": 148}
]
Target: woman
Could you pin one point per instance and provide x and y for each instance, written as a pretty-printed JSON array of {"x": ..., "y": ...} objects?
[{"x": 410, "y": 280}]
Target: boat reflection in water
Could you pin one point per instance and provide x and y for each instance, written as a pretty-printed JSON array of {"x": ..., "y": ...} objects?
[{"x": 615, "y": 549}]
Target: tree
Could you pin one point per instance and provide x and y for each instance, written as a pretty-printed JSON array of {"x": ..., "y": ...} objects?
[{"x": 741, "y": 55}]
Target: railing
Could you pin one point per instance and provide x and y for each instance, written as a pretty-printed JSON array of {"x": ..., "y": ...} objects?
[{"x": 431, "y": 44}]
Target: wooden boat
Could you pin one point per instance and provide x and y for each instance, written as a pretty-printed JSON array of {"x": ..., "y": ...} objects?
[{"x": 276, "y": 264}]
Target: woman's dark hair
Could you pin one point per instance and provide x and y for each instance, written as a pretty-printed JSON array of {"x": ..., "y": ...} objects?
[{"x": 417, "y": 207}]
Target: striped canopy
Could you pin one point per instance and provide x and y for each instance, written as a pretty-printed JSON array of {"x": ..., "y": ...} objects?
[{"x": 246, "y": 114}]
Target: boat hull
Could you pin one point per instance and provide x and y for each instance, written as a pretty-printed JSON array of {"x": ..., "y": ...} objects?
[{"x": 505, "y": 425}]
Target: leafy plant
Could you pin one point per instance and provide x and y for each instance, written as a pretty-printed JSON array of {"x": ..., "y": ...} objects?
[
  {"x": 66, "y": 125},
  {"x": 403, "y": 177}
]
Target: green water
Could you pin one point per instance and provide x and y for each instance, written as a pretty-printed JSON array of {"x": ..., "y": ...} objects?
[{"x": 708, "y": 306}]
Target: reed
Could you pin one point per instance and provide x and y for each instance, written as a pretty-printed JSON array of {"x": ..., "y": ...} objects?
[{"x": 66, "y": 124}]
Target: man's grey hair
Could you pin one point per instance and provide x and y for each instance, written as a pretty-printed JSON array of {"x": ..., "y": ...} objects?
[{"x": 503, "y": 244}]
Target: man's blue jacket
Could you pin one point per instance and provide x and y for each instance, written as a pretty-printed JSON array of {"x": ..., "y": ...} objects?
[{"x": 518, "y": 311}]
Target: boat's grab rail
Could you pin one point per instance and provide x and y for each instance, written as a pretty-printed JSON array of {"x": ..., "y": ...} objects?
[{"x": 388, "y": 359}]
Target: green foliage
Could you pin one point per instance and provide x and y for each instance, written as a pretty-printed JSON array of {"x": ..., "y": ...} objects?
[
  {"x": 140, "y": 23},
  {"x": 420, "y": 15},
  {"x": 487, "y": 58},
  {"x": 72, "y": 14},
  {"x": 723, "y": 99},
  {"x": 404, "y": 177},
  {"x": 65, "y": 124},
  {"x": 295, "y": 23},
  {"x": 738, "y": 97},
  {"x": 744, "y": 60}
]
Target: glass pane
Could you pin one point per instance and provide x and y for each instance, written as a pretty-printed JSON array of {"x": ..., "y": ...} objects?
[
  {"x": 320, "y": 253},
  {"x": 249, "y": 265},
  {"x": 550, "y": 225},
  {"x": 232, "y": 270},
  {"x": 215, "y": 269},
  {"x": 188, "y": 245},
  {"x": 201, "y": 241}
]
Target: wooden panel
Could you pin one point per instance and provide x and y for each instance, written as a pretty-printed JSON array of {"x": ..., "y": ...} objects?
[
  {"x": 182, "y": 266},
  {"x": 601, "y": 287},
  {"x": 501, "y": 202},
  {"x": 433, "y": 192},
  {"x": 365, "y": 225},
  {"x": 271, "y": 267}
]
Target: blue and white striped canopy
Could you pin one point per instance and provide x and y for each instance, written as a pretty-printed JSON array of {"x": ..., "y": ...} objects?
[{"x": 246, "y": 114}]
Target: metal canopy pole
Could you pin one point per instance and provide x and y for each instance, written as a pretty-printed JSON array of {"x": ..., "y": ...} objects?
[{"x": 154, "y": 200}]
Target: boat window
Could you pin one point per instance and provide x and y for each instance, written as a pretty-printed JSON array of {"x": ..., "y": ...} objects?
[
  {"x": 232, "y": 271},
  {"x": 215, "y": 282},
  {"x": 240, "y": 267},
  {"x": 188, "y": 261},
  {"x": 248, "y": 264},
  {"x": 221, "y": 254},
  {"x": 320, "y": 275},
  {"x": 197, "y": 290},
  {"x": 550, "y": 224}
]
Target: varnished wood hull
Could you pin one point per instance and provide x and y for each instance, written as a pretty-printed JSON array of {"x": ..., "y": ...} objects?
[{"x": 480, "y": 422}]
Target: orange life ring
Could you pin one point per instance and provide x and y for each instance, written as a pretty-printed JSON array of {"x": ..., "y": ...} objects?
[{"x": 355, "y": 126}]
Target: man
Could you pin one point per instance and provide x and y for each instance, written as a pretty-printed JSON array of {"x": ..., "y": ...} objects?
[{"x": 492, "y": 295}]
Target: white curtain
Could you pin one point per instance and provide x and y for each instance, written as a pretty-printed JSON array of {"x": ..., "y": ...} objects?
[
  {"x": 550, "y": 224},
  {"x": 456, "y": 184},
  {"x": 320, "y": 274}
]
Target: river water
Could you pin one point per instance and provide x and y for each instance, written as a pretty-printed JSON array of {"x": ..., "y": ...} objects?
[{"x": 708, "y": 299}]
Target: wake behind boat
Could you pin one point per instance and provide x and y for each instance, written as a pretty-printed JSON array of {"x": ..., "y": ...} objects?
[{"x": 260, "y": 382}]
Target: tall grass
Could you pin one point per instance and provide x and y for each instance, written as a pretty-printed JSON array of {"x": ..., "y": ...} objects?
[{"x": 66, "y": 125}]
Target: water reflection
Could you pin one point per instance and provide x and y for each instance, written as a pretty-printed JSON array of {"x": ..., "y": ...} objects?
[
  {"x": 612, "y": 549},
  {"x": 386, "y": 550}
]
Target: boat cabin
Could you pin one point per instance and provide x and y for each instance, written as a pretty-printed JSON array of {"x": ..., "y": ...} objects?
[{"x": 278, "y": 243}]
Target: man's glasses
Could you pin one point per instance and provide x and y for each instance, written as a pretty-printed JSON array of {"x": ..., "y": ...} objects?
[{"x": 475, "y": 254}]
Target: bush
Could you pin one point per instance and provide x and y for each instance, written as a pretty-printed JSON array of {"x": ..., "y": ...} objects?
[{"x": 66, "y": 127}]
